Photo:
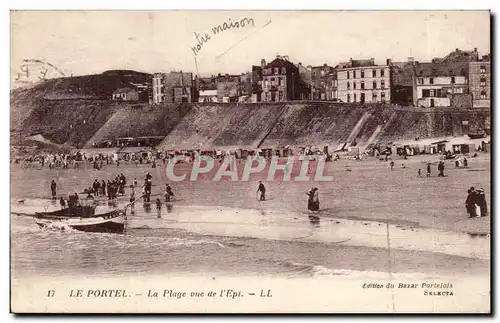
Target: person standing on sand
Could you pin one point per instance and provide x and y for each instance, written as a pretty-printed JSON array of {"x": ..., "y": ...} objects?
[
  {"x": 470, "y": 203},
  {"x": 481, "y": 202},
  {"x": 158, "y": 207},
  {"x": 428, "y": 170},
  {"x": 62, "y": 202},
  {"x": 168, "y": 193},
  {"x": 96, "y": 187},
  {"x": 262, "y": 190},
  {"x": 53, "y": 187},
  {"x": 103, "y": 188},
  {"x": 313, "y": 199},
  {"x": 419, "y": 173},
  {"x": 441, "y": 169},
  {"x": 392, "y": 164}
]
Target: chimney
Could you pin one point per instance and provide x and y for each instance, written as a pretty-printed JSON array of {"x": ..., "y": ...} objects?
[
  {"x": 456, "y": 49},
  {"x": 262, "y": 63},
  {"x": 325, "y": 65},
  {"x": 389, "y": 62},
  {"x": 372, "y": 61},
  {"x": 300, "y": 63},
  {"x": 285, "y": 57},
  {"x": 278, "y": 55}
]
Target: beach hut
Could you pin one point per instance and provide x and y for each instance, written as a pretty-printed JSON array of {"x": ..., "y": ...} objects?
[{"x": 439, "y": 146}]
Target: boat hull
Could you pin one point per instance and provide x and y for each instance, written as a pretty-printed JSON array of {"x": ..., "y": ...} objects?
[{"x": 113, "y": 222}]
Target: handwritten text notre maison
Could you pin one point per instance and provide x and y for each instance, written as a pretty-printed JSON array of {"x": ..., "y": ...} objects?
[{"x": 218, "y": 29}]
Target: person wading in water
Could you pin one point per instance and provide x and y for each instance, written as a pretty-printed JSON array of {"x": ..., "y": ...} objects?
[
  {"x": 313, "y": 200},
  {"x": 262, "y": 190}
]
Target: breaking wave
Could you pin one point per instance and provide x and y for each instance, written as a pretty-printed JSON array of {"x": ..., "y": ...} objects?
[{"x": 299, "y": 270}]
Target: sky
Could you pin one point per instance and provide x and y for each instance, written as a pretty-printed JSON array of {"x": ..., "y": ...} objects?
[{"x": 90, "y": 42}]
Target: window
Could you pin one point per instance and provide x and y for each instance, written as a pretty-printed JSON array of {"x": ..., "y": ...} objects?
[
  {"x": 425, "y": 93},
  {"x": 382, "y": 73},
  {"x": 362, "y": 85},
  {"x": 431, "y": 93},
  {"x": 354, "y": 87},
  {"x": 348, "y": 74},
  {"x": 348, "y": 85},
  {"x": 482, "y": 81},
  {"x": 276, "y": 70},
  {"x": 362, "y": 73},
  {"x": 348, "y": 98},
  {"x": 322, "y": 73},
  {"x": 483, "y": 69},
  {"x": 354, "y": 73},
  {"x": 374, "y": 73},
  {"x": 483, "y": 95},
  {"x": 283, "y": 70},
  {"x": 354, "y": 97},
  {"x": 382, "y": 84},
  {"x": 420, "y": 80},
  {"x": 280, "y": 95},
  {"x": 453, "y": 80},
  {"x": 431, "y": 80},
  {"x": 382, "y": 96},
  {"x": 374, "y": 97},
  {"x": 374, "y": 84}
]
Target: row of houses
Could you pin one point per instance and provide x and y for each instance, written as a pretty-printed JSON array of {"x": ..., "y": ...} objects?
[{"x": 461, "y": 79}]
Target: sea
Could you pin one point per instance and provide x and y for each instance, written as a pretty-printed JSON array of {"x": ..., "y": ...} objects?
[{"x": 225, "y": 241}]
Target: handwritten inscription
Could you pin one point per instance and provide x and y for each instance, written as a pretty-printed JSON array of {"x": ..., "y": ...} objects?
[{"x": 230, "y": 24}]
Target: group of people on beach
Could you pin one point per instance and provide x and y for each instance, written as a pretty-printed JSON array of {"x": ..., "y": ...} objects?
[
  {"x": 112, "y": 188},
  {"x": 475, "y": 204},
  {"x": 312, "y": 200}
]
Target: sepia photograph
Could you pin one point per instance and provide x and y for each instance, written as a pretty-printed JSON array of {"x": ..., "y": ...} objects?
[{"x": 250, "y": 161}]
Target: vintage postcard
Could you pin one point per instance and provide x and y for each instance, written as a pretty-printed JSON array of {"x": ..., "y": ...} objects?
[{"x": 250, "y": 161}]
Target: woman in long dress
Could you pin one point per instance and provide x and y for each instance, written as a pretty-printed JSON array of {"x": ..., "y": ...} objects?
[{"x": 313, "y": 200}]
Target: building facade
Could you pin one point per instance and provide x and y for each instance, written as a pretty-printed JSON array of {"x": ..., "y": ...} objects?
[
  {"x": 228, "y": 87},
  {"x": 322, "y": 86},
  {"x": 361, "y": 81},
  {"x": 439, "y": 85},
  {"x": 125, "y": 94},
  {"x": 480, "y": 83},
  {"x": 173, "y": 87},
  {"x": 281, "y": 81}
]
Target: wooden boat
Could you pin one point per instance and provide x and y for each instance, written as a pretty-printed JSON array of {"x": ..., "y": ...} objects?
[{"x": 83, "y": 218}]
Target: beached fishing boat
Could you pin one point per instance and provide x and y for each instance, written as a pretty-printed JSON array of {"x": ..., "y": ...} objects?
[{"x": 83, "y": 218}]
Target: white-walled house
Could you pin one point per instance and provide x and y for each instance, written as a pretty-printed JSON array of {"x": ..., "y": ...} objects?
[
  {"x": 361, "y": 81},
  {"x": 435, "y": 85}
]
